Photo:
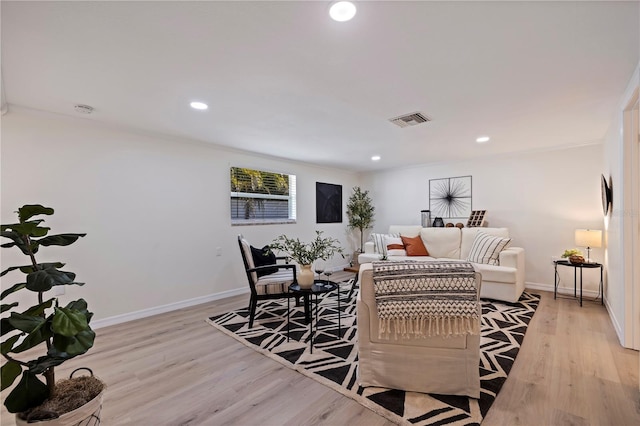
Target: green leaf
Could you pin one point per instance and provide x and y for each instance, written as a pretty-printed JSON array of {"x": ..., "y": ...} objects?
[
  {"x": 18, "y": 241},
  {"x": 29, "y": 392},
  {"x": 5, "y": 308},
  {"x": 75, "y": 345},
  {"x": 12, "y": 289},
  {"x": 9, "y": 372},
  {"x": 68, "y": 322},
  {"x": 34, "y": 338},
  {"x": 40, "y": 365},
  {"x": 25, "y": 322},
  {"x": 30, "y": 228},
  {"x": 81, "y": 306},
  {"x": 59, "y": 240},
  {"x": 38, "y": 310},
  {"x": 5, "y": 326},
  {"x": 47, "y": 278},
  {"x": 29, "y": 210},
  {"x": 7, "y": 345},
  {"x": 6, "y": 271}
]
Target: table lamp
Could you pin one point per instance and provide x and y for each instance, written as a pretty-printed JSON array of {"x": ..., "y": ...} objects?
[{"x": 588, "y": 238}]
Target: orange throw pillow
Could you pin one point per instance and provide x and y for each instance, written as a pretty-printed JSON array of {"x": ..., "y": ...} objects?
[{"x": 414, "y": 246}]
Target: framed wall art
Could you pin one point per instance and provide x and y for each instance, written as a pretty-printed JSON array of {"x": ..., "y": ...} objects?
[
  {"x": 328, "y": 203},
  {"x": 450, "y": 198}
]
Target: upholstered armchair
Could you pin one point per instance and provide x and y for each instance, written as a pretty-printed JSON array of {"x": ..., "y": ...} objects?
[
  {"x": 443, "y": 365},
  {"x": 273, "y": 284}
]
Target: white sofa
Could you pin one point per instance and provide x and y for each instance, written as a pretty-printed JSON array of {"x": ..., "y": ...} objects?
[
  {"x": 501, "y": 282},
  {"x": 436, "y": 364}
]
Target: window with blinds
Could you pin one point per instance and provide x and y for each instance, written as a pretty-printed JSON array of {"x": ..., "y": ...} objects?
[{"x": 260, "y": 197}]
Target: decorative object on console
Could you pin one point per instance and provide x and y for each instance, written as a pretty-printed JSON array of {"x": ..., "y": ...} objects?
[
  {"x": 328, "y": 203},
  {"x": 306, "y": 253},
  {"x": 571, "y": 252},
  {"x": 360, "y": 212},
  {"x": 476, "y": 219},
  {"x": 588, "y": 238},
  {"x": 606, "y": 195},
  {"x": 425, "y": 218},
  {"x": 450, "y": 197},
  {"x": 449, "y": 225},
  {"x": 459, "y": 225},
  {"x": 486, "y": 249},
  {"x": 438, "y": 222},
  {"x": 414, "y": 246},
  {"x": 576, "y": 259}
]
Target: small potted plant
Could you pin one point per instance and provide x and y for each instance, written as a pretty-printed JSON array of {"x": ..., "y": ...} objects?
[
  {"x": 63, "y": 332},
  {"x": 306, "y": 253},
  {"x": 360, "y": 212}
]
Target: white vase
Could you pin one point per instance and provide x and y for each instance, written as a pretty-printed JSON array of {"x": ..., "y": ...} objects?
[{"x": 305, "y": 277}]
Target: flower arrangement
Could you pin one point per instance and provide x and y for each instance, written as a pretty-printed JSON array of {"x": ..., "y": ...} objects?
[{"x": 306, "y": 254}]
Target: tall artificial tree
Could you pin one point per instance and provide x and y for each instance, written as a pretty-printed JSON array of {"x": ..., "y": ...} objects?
[{"x": 360, "y": 212}]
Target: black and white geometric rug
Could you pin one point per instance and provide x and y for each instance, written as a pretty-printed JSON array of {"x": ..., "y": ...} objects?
[{"x": 334, "y": 362}]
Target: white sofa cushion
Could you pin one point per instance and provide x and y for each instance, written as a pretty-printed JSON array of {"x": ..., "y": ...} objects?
[
  {"x": 498, "y": 274},
  {"x": 486, "y": 248},
  {"x": 407, "y": 231},
  {"x": 441, "y": 242}
]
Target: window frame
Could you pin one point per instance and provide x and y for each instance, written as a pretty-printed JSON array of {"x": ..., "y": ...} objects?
[{"x": 290, "y": 198}]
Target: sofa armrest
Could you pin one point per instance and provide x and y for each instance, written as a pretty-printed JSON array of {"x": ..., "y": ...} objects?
[
  {"x": 512, "y": 257},
  {"x": 369, "y": 247}
]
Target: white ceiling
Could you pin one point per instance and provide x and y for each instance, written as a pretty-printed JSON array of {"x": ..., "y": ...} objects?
[{"x": 281, "y": 78}]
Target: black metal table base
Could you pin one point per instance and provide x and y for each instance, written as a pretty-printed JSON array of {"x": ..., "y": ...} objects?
[
  {"x": 576, "y": 266},
  {"x": 311, "y": 295}
]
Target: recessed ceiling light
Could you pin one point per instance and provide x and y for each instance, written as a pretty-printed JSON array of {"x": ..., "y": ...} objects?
[
  {"x": 199, "y": 105},
  {"x": 482, "y": 139},
  {"x": 342, "y": 11},
  {"x": 375, "y": 158}
]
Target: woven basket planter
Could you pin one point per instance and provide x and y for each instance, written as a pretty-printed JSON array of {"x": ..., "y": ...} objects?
[{"x": 87, "y": 415}]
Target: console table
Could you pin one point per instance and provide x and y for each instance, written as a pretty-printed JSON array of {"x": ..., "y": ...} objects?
[
  {"x": 576, "y": 266},
  {"x": 309, "y": 295}
]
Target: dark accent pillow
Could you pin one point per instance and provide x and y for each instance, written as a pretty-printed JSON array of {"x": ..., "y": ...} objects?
[{"x": 263, "y": 257}]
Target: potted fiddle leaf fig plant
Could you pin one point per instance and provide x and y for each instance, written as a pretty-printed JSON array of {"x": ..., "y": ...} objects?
[{"x": 61, "y": 331}]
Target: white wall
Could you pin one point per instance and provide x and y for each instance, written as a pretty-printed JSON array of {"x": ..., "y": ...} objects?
[
  {"x": 618, "y": 255},
  {"x": 154, "y": 209},
  {"x": 542, "y": 197}
]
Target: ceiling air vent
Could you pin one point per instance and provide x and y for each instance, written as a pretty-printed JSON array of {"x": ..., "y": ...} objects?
[{"x": 410, "y": 119}]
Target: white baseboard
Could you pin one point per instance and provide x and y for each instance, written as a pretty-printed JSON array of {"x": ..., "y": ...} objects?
[
  {"x": 119, "y": 319},
  {"x": 615, "y": 322},
  {"x": 561, "y": 290}
]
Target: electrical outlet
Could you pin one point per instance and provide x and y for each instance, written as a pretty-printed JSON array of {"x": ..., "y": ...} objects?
[
  {"x": 218, "y": 251},
  {"x": 58, "y": 290}
]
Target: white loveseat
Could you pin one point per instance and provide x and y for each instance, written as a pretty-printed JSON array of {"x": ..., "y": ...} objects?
[{"x": 504, "y": 281}]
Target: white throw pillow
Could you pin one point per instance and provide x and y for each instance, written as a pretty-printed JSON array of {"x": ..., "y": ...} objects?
[
  {"x": 394, "y": 246},
  {"x": 378, "y": 241},
  {"x": 486, "y": 249}
]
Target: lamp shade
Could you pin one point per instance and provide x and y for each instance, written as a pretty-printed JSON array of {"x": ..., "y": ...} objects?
[{"x": 588, "y": 238}]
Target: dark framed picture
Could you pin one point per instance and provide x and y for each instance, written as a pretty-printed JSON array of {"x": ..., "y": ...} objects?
[
  {"x": 450, "y": 198},
  {"x": 328, "y": 203}
]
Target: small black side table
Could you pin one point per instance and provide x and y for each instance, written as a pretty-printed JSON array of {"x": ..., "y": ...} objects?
[
  {"x": 576, "y": 266},
  {"x": 319, "y": 287}
]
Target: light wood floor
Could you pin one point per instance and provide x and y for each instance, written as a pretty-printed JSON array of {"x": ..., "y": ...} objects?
[{"x": 174, "y": 369}]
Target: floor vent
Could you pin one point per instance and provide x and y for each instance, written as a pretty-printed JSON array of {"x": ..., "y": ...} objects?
[{"x": 410, "y": 119}]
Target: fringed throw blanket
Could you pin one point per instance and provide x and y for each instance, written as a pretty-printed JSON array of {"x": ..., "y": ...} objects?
[{"x": 422, "y": 299}]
